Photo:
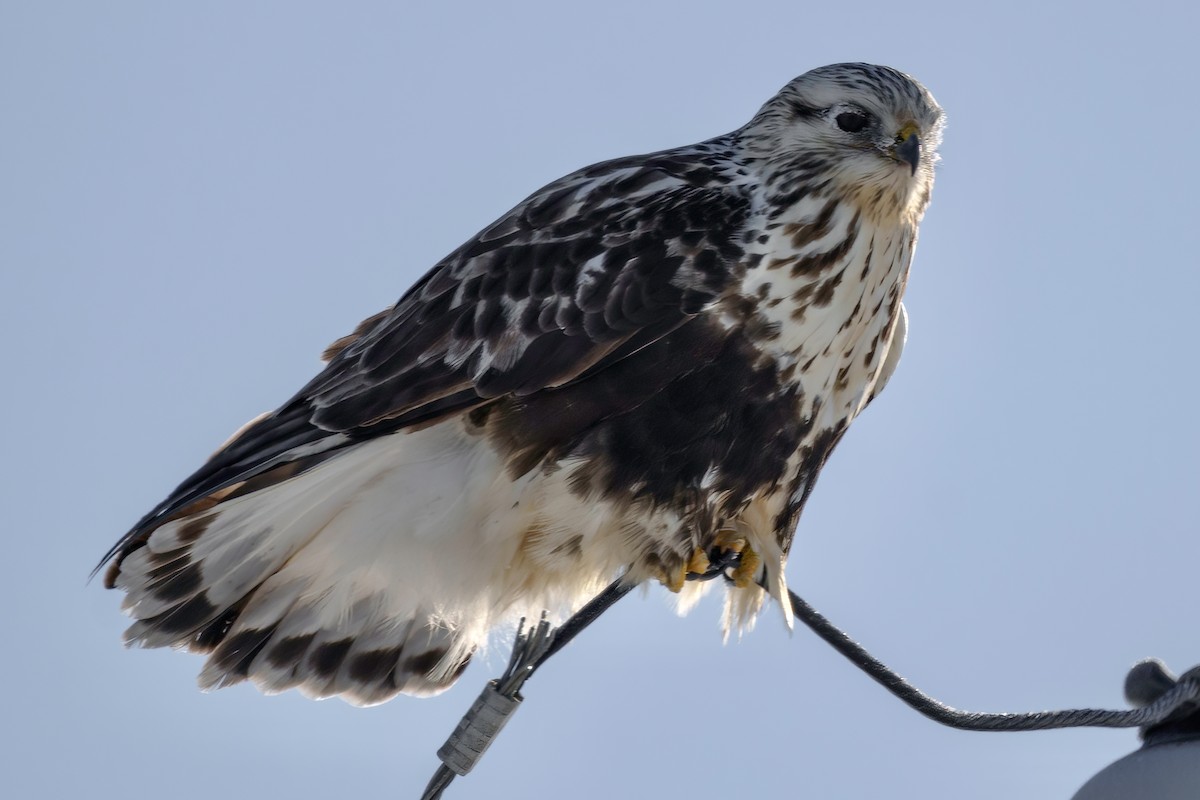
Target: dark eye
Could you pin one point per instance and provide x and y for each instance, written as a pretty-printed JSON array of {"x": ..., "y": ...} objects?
[{"x": 851, "y": 121}]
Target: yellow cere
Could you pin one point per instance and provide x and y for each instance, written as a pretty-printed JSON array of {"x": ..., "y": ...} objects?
[{"x": 907, "y": 130}]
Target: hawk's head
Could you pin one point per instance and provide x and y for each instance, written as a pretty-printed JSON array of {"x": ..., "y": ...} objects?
[{"x": 859, "y": 130}]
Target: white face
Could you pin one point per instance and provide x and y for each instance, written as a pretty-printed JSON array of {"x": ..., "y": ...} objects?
[{"x": 868, "y": 133}]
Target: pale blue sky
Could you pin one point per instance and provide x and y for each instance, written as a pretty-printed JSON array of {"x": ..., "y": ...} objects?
[{"x": 195, "y": 199}]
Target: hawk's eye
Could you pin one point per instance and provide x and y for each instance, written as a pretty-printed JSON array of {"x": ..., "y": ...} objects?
[{"x": 851, "y": 121}]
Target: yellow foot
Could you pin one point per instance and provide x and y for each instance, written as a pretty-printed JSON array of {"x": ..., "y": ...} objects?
[
  {"x": 744, "y": 572},
  {"x": 675, "y": 579},
  {"x": 725, "y": 541}
]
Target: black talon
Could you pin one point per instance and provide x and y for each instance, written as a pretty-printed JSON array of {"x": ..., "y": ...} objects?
[{"x": 719, "y": 561}]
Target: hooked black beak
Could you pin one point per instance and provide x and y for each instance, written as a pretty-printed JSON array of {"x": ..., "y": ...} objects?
[{"x": 908, "y": 149}]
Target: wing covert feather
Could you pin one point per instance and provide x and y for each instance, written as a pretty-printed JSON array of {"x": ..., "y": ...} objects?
[{"x": 545, "y": 294}]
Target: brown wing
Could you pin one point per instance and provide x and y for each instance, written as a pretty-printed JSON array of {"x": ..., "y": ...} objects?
[{"x": 582, "y": 273}]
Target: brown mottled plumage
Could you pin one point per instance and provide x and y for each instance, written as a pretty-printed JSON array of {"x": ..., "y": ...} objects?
[{"x": 645, "y": 361}]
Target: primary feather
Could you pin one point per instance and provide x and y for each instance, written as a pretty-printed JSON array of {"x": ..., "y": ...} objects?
[{"x": 645, "y": 360}]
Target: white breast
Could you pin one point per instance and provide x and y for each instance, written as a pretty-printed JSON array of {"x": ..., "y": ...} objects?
[{"x": 833, "y": 308}]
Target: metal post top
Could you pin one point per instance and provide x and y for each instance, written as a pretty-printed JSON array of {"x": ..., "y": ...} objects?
[
  {"x": 1168, "y": 771},
  {"x": 1167, "y": 767}
]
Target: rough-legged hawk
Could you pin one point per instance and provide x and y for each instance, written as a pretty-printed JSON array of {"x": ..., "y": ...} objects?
[{"x": 642, "y": 364}]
